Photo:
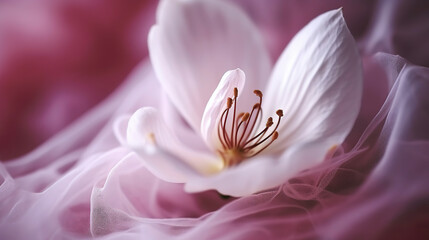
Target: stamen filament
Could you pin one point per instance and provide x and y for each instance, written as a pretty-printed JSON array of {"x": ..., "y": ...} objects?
[
  {"x": 225, "y": 134},
  {"x": 220, "y": 126},
  {"x": 275, "y": 136},
  {"x": 280, "y": 114},
  {"x": 259, "y": 94},
  {"x": 257, "y": 136},
  {"x": 247, "y": 124},
  {"x": 239, "y": 117},
  {"x": 233, "y": 118},
  {"x": 244, "y": 117},
  {"x": 262, "y": 133}
]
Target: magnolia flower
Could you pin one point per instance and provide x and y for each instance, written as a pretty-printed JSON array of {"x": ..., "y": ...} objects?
[{"x": 259, "y": 130}]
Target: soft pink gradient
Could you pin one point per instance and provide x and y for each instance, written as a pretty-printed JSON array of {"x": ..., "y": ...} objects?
[
  {"x": 59, "y": 59},
  {"x": 81, "y": 183}
]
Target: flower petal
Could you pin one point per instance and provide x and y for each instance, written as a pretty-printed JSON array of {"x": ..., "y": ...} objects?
[
  {"x": 317, "y": 82},
  {"x": 263, "y": 172},
  {"x": 194, "y": 43},
  {"x": 149, "y": 136},
  {"x": 217, "y": 103},
  {"x": 164, "y": 165}
]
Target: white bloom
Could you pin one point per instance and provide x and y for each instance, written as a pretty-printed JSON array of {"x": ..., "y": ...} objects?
[{"x": 317, "y": 82}]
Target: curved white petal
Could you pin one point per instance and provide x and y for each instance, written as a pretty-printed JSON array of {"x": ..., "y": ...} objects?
[
  {"x": 317, "y": 82},
  {"x": 165, "y": 165},
  {"x": 217, "y": 103},
  {"x": 194, "y": 43},
  {"x": 264, "y": 172},
  {"x": 148, "y": 135}
]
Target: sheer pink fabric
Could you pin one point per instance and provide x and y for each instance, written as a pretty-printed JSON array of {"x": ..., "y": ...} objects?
[{"x": 82, "y": 183}]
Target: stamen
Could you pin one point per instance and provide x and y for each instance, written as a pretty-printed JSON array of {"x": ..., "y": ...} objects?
[
  {"x": 233, "y": 118},
  {"x": 229, "y": 103},
  {"x": 225, "y": 134},
  {"x": 256, "y": 106},
  {"x": 244, "y": 118},
  {"x": 261, "y": 134},
  {"x": 258, "y": 93},
  {"x": 247, "y": 124},
  {"x": 235, "y": 148},
  {"x": 269, "y": 124},
  {"x": 275, "y": 136},
  {"x": 221, "y": 128},
  {"x": 239, "y": 117}
]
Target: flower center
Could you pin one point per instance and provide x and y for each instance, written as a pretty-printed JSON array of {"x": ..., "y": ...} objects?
[{"x": 237, "y": 136}]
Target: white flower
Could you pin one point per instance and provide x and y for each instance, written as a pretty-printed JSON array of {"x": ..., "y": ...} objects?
[{"x": 317, "y": 83}]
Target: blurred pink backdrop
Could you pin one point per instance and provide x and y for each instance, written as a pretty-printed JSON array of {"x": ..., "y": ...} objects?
[{"x": 60, "y": 58}]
